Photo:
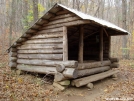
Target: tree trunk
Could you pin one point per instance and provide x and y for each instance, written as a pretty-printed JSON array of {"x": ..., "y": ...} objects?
[{"x": 35, "y": 10}]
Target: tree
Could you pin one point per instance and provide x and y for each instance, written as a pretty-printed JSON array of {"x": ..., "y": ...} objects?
[{"x": 35, "y": 10}]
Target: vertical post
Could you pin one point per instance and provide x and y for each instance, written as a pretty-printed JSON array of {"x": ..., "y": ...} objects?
[
  {"x": 81, "y": 44},
  {"x": 65, "y": 44},
  {"x": 101, "y": 45},
  {"x": 109, "y": 53}
]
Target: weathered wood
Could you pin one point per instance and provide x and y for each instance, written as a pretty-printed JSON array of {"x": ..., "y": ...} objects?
[
  {"x": 71, "y": 23},
  {"x": 37, "y": 69},
  {"x": 12, "y": 64},
  {"x": 62, "y": 16},
  {"x": 30, "y": 31},
  {"x": 59, "y": 77},
  {"x": 41, "y": 41},
  {"x": 40, "y": 46},
  {"x": 69, "y": 64},
  {"x": 62, "y": 12},
  {"x": 50, "y": 30},
  {"x": 41, "y": 56},
  {"x": 13, "y": 50},
  {"x": 65, "y": 44},
  {"x": 13, "y": 54},
  {"x": 109, "y": 48},
  {"x": 81, "y": 45},
  {"x": 70, "y": 73},
  {"x": 41, "y": 22},
  {"x": 64, "y": 82},
  {"x": 13, "y": 59},
  {"x": 60, "y": 68},
  {"x": 93, "y": 64},
  {"x": 86, "y": 80},
  {"x": 26, "y": 35},
  {"x": 114, "y": 65},
  {"x": 63, "y": 20},
  {"x": 90, "y": 85},
  {"x": 60, "y": 87},
  {"x": 101, "y": 45},
  {"x": 59, "y": 51},
  {"x": 114, "y": 60},
  {"x": 16, "y": 44},
  {"x": 86, "y": 72},
  {"x": 21, "y": 39},
  {"x": 47, "y": 35}
]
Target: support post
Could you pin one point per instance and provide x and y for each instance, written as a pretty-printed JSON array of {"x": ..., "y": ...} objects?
[
  {"x": 109, "y": 53},
  {"x": 81, "y": 45},
  {"x": 65, "y": 44},
  {"x": 101, "y": 44}
]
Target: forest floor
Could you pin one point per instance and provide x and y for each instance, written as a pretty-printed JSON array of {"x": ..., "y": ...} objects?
[{"x": 35, "y": 87}]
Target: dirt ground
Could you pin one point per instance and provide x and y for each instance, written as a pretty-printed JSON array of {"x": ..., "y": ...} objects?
[{"x": 35, "y": 87}]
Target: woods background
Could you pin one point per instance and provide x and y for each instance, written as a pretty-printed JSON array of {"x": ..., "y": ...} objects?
[{"x": 16, "y": 16}]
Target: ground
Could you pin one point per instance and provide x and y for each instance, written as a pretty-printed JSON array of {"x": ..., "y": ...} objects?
[{"x": 35, "y": 87}]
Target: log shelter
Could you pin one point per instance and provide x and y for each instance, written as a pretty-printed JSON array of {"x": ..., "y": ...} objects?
[{"x": 66, "y": 43}]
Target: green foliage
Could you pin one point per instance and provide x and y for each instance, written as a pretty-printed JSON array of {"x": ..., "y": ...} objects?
[{"x": 29, "y": 18}]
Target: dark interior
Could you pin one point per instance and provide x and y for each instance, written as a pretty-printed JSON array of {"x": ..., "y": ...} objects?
[{"x": 91, "y": 43}]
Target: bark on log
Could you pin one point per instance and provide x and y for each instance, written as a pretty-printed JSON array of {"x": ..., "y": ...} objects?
[
  {"x": 70, "y": 73},
  {"x": 86, "y": 72},
  {"x": 114, "y": 65},
  {"x": 62, "y": 16},
  {"x": 41, "y": 41},
  {"x": 47, "y": 35},
  {"x": 12, "y": 64},
  {"x": 93, "y": 64},
  {"x": 71, "y": 23},
  {"x": 86, "y": 80},
  {"x": 26, "y": 35},
  {"x": 13, "y": 50},
  {"x": 69, "y": 64},
  {"x": 65, "y": 44},
  {"x": 50, "y": 30},
  {"x": 59, "y": 77},
  {"x": 13, "y": 54},
  {"x": 38, "y": 69},
  {"x": 114, "y": 60},
  {"x": 40, "y": 46},
  {"x": 60, "y": 68},
  {"x": 59, "y": 51},
  {"x": 14, "y": 59},
  {"x": 63, "y": 20},
  {"x": 21, "y": 39},
  {"x": 41, "y": 56}
]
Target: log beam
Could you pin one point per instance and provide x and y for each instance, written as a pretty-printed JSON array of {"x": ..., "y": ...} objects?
[
  {"x": 65, "y": 44},
  {"x": 101, "y": 45},
  {"x": 81, "y": 44}
]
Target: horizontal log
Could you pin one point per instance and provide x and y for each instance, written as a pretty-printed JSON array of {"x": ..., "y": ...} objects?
[
  {"x": 35, "y": 26},
  {"x": 13, "y": 59},
  {"x": 114, "y": 65},
  {"x": 59, "y": 51},
  {"x": 59, "y": 77},
  {"x": 31, "y": 31},
  {"x": 37, "y": 69},
  {"x": 114, "y": 60},
  {"x": 63, "y": 20},
  {"x": 83, "y": 81},
  {"x": 41, "y": 22},
  {"x": 40, "y": 41},
  {"x": 70, "y": 73},
  {"x": 13, "y": 49},
  {"x": 50, "y": 30},
  {"x": 12, "y": 64},
  {"x": 76, "y": 22},
  {"x": 39, "y": 46},
  {"x": 47, "y": 35},
  {"x": 93, "y": 64},
  {"x": 69, "y": 64},
  {"x": 41, "y": 56},
  {"x": 62, "y": 16},
  {"x": 60, "y": 68},
  {"x": 91, "y": 71},
  {"x": 62, "y": 12},
  {"x": 25, "y": 35},
  {"x": 13, "y": 54},
  {"x": 16, "y": 44},
  {"x": 21, "y": 39}
]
